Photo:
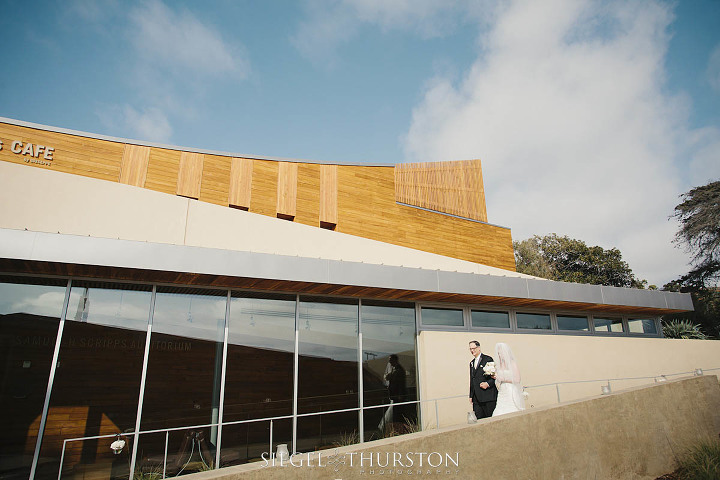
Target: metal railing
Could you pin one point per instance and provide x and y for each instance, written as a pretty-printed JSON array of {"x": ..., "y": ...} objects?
[{"x": 132, "y": 435}]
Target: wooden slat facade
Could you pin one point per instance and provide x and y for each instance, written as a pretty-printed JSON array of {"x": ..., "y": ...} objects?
[
  {"x": 365, "y": 201},
  {"x": 133, "y": 170},
  {"x": 450, "y": 187}
]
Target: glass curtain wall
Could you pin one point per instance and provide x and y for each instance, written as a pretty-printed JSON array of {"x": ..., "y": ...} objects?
[
  {"x": 260, "y": 373},
  {"x": 30, "y": 311},
  {"x": 327, "y": 372},
  {"x": 97, "y": 384},
  {"x": 97, "y": 379},
  {"x": 183, "y": 381},
  {"x": 389, "y": 368}
]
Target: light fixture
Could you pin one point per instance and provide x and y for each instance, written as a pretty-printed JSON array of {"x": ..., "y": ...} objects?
[
  {"x": 605, "y": 389},
  {"x": 118, "y": 445},
  {"x": 698, "y": 372},
  {"x": 660, "y": 379}
]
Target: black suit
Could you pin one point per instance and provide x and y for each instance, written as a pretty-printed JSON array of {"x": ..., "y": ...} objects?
[{"x": 483, "y": 400}]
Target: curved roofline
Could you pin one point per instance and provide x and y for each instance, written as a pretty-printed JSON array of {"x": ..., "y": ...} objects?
[{"x": 21, "y": 123}]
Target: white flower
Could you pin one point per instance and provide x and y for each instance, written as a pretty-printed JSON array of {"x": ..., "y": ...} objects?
[{"x": 489, "y": 368}]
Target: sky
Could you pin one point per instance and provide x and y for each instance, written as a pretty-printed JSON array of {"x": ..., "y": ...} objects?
[{"x": 591, "y": 118}]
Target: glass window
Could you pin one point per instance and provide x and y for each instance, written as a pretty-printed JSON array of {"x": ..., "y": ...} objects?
[
  {"x": 327, "y": 370},
  {"x": 97, "y": 380},
  {"x": 614, "y": 325},
  {"x": 572, "y": 322},
  {"x": 535, "y": 321},
  {"x": 183, "y": 376},
  {"x": 259, "y": 376},
  {"x": 389, "y": 371},
  {"x": 490, "y": 319},
  {"x": 642, "y": 325},
  {"x": 442, "y": 317},
  {"x": 30, "y": 313}
]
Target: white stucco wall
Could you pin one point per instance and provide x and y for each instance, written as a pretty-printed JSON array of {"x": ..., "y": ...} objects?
[
  {"x": 42, "y": 200},
  {"x": 444, "y": 357}
]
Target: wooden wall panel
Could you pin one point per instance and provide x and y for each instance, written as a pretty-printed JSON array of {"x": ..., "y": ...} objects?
[
  {"x": 133, "y": 169},
  {"x": 366, "y": 196},
  {"x": 329, "y": 194},
  {"x": 367, "y": 208},
  {"x": 287, "y": 189},
  {"x": 190, "y": 174},
  {"x": 88, "y": 157},
  {"x": 241, "y": 171},
  {"x": 450, "y": 187},
  {"x": 264, "y": 187},
  {"x": 215, "y": 186},
  {"x": 308, "y": 194},
  {"x": 163, "y": 167}
]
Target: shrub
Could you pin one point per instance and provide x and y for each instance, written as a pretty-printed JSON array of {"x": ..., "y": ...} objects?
[{"x": 683, "y": 329}]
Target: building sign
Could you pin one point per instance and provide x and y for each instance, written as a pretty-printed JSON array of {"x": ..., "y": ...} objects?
[{"x": 33, "y": 153}]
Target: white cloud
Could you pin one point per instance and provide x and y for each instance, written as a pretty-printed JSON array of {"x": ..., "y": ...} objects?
[
  {"x": 330, "y": 23},
  {"x": 179, "y": 42},
  {"x": 566, "y": 108},
  {"x": 150, "y": 124}
]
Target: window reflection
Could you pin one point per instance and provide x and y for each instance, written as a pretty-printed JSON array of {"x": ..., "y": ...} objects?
[
  {"x": 442, "y": 317},
  {"x": 571, "y": 322},
  {"x": 184, "y": 372},
  {"x": 389, "y": 371},
  {"x": 328, "y": 367},
  {"x": 536, "y": 321},
  {"x": 30, "y": 311},
  {"x": 490, "y": 319},
  {"x": 259, "y": 378},
  {"x": 97, "y": 381},
  {"x": 614, "y": 325},
  {"x": 642, "y": 325}
]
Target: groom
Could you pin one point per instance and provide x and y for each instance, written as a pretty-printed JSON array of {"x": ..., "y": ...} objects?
[{"x": 483, "y": 393}]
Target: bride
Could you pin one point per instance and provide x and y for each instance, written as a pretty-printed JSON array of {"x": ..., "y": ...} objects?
[{"x": 507, "y": 380}]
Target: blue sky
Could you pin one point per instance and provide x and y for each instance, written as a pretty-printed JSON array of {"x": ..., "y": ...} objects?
[{"x": 590, "y": 117}]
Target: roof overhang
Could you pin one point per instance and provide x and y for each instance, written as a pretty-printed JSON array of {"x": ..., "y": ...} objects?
[{"x": 125, "y": 260}]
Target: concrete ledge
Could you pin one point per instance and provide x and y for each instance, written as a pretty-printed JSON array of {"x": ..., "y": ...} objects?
[{"x": 633, "y": 434}]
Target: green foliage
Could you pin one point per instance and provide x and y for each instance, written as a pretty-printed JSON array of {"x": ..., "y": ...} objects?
[
  {"x": 570, "y": 260},
  {"x": 683, "y": 329},
  {"x": 702, "y": 462},
  {"x": 699, "y": 217}
]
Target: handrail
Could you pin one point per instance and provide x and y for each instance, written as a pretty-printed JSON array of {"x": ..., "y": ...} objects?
[{"x": 353, "y": 409}]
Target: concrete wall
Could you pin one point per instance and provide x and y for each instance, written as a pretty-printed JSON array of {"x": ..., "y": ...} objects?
[
  {"x": 547, "y": 359},
  {"x": 46, "y": 201},
  {"x": 637, "y": 434}
]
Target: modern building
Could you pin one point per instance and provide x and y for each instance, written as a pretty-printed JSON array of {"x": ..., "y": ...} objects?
[{"x": 145, "y": 289}]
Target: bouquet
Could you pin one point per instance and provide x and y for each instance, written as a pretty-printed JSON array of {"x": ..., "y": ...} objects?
[{"x": 489, "y": 368}]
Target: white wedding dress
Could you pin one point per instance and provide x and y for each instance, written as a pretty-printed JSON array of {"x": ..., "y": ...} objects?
[
  {"x": 507, "y": 380},
  {"x": 507, "y": 399}
]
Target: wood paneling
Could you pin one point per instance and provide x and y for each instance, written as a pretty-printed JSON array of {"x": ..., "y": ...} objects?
[
  {"x": 308, "y": 194},
  {"x": 133, "y": 169},
  {"x": 329, "y": 194},
  {"x": 163, "y": 167},
  {"x": 241, "y": 171},
  {"x": 449, "y": 187},
  {"x": 264, "y": 187},
  {"x": 287, "y": 189},
  {"x": 190, "y": 174},
  {"x": 215, "y": 186},
  {"x": 359, "y": 200}
]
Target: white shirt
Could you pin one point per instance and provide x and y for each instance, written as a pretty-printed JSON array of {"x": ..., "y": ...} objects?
[{"x": 477, "y": 360}]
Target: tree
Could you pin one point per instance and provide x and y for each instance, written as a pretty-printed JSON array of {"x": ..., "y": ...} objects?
[
  {"x": 570, "y": 260},
  {"x": 699, "y": 217},
  {"x": 699, "y": 233}
]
